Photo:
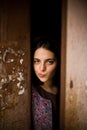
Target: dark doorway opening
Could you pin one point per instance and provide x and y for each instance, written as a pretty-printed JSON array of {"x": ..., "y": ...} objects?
[{"x": 46, "y": 18}]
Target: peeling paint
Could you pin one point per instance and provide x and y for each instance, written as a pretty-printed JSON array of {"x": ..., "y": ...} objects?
[{"x": 12, "y": 76}]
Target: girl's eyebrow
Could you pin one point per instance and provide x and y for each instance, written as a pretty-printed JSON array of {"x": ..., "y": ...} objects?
[
  {"x": 50, "y": 59},
  {"x": 45, "y": 59},
  {"x": 36, "y": 59}
]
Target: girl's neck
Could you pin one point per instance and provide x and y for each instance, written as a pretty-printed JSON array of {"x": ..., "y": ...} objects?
[{"x": 49, "y": 87}]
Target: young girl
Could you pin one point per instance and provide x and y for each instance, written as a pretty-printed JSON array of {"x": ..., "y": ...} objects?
[{"x": 45, "y": 86}]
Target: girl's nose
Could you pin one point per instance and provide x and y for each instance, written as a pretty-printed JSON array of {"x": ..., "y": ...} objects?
[{"x": 42, "y": 67}]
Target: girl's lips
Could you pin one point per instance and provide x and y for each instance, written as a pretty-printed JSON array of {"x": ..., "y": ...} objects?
[{"x": 41, "y": 75}]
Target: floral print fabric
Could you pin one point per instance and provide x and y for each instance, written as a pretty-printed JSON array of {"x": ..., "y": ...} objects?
[{"x": 41, "y": 111}]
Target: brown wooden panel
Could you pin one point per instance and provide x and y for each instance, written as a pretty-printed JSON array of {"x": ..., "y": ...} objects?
[
  {"x": 14, "y": 85},
  {"x": 14, "y": 65}
]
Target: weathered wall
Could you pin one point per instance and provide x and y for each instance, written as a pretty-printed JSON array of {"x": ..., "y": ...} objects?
[
  {"x": 76, "y": 66},
  {"x": 14, "y": 65}
]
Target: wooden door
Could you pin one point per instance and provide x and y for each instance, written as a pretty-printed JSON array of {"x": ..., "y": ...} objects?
[{"x": 14, "y": 65}]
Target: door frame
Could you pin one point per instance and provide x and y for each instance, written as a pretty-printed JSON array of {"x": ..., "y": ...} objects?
[{"x": 63, "y": 64}]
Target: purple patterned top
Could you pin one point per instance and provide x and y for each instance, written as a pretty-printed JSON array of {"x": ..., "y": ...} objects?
[{"x": 42, "y": 109}]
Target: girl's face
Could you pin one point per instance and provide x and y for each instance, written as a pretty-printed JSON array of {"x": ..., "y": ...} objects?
[{"x": 45, "y": 64}]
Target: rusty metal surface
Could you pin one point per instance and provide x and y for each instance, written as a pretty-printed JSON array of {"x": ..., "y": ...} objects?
[
  {"x": 14, "y": 91},
  {"x": 76, "y": 66}
]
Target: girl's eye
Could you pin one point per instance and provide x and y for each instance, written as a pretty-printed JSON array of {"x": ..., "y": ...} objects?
[
  {"x": 36, "y": 61},
  {"x": 50, "y": 62}
]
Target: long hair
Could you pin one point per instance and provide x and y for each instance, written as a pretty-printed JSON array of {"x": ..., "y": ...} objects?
[{"x": 52, "y": 46}]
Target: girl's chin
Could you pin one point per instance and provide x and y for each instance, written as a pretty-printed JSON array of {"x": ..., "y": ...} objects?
[{"x": 42, "y": 80}]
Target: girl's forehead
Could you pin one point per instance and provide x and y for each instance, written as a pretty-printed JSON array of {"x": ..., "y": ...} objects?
[{"x": 42, "y": 52}]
